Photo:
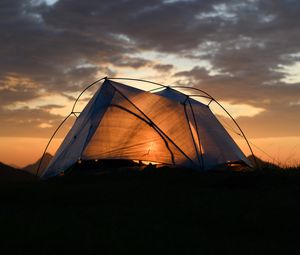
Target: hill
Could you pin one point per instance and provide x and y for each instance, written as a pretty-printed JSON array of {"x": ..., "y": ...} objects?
[
  {"x": 11, "y": 174},
  {"x": 262, "y": 164},
  {"x": 6, "y": 168},
  {"x": 197, "y": 213},
  {"x": 32, "y": 168}
]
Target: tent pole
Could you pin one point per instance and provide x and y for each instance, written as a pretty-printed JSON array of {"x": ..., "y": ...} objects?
[
  {"x": 50, "y": 140},
  {"x": 197, "y": 130},
  {"x": 158, "y": 129},
  {"x": 72, "y": 112},
  {"x": 150, "y": 124},
  {"x": 164, "y": 86},
  {"x": 186, "y": 87},
  {"x": 141, "y": 80},
  {"x": 183, "y": 153},
  {"x": 256, "y": 163},
  {"x": 202, "y": 91},
  {"x": 84, "y": 91},
  {"x": 188, "y": 122}
]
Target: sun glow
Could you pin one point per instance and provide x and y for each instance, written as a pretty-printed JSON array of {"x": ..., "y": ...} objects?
[{"x": 21, "y": 151}]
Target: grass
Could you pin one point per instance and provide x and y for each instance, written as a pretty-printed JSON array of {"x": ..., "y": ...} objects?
[{"x": 254, "y": 212}]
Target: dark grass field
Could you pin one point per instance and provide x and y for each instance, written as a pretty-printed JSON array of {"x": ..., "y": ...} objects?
[{"x": 167, "y": 212}]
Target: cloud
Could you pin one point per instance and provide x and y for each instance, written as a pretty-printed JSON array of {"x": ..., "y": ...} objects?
[
  {"x": 26, "y": 122},
  {"x": 279, "y": 117},
  {"x": 15, "y": 89},
  {"x": 249, "y": 50},
  {"x": 50, "y": 106},
  {"x": 163, "y": 68},
  {"x": 132, "y": 62},
  {"x": 279, "y": 122}
]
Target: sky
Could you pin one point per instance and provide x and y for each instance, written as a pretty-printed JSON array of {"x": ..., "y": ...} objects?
[{"x": 244, "y": 53}]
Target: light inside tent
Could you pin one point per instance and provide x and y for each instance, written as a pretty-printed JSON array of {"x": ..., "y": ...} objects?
[{"x": 144, "y": 162}]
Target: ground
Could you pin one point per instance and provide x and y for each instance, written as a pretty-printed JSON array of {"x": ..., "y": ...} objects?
[{"x": 208, "y": 213}]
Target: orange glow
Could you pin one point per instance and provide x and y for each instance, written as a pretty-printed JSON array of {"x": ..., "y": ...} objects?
[
  {"x": 21, "y": 151},
  {"x": 283, "y": 150}
]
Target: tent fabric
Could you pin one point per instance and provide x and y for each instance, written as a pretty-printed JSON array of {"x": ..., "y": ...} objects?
[
  {"x": 167, "y": 127},
  {"x": 72, "y": 146},
  {"x": 217, "y": 144}
]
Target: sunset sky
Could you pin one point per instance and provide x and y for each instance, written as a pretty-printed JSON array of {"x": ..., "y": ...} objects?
[{"x": 244, "y": 53}]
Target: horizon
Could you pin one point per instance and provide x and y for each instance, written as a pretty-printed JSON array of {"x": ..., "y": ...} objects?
[
  {"x": 246, "y": 55},
  {"x": 280, "y": 155}
]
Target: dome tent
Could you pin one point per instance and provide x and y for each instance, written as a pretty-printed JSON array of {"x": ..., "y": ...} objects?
[{"x": 166, "y": 127}]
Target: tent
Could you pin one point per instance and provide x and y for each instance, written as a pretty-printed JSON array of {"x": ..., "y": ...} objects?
[{"x": 163, "y": 126}]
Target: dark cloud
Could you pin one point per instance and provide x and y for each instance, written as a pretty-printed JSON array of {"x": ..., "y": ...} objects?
[
  {"x": 255, "y": 90},
  {"x": 9, "y": 96},
  {"x": 50, "y": 106},
  {"x": 24, "y": 122},
  {"x": 61, "y": 48},
  {"x": 163, "y": 68},
  {"x": 15, "y": 89},
  {"x": 154, "y": 24},
  {"x": 51, "y": 55},
  {"x": 126, "y": 61},
  {"x": 280, "y": 115}
]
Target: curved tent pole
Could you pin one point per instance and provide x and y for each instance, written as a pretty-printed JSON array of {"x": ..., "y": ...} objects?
[
  {"x": 202, "y": 91},
  {"x": 194, "y": 95},
  {"x": 197, "y": 130},
  {"x": 235, "y": 122},
  {"x": 208, "y": 95},
  {"x": 191, "y": 132},
  {"x": 86, "y": 90},
  {"x": 186, "y": 87},
  {"x": 155, "y": 83},
  {"x": 223, "y": 108},
  {"x": 150, "y": 125},
  {"x": 141, "y": 80},
  {"x": 164, "y": 86},
  {"x": 64, "y": 120},
  {"x": 50, "y": 140},
  {"x": 136, "y": 107}
]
